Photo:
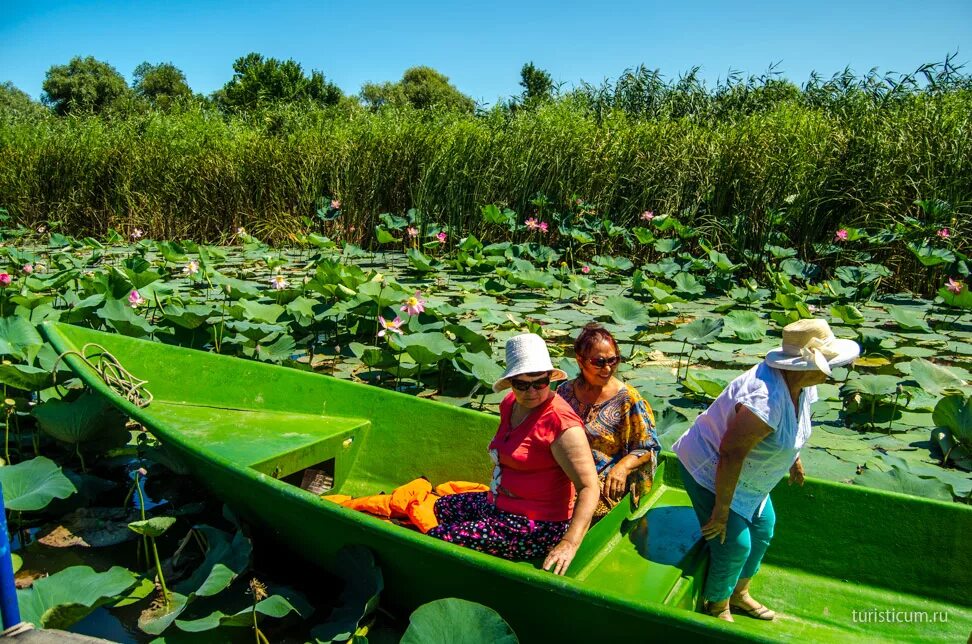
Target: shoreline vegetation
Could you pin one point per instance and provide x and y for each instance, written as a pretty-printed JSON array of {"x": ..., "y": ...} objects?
[{"x": 743, "y": 163}]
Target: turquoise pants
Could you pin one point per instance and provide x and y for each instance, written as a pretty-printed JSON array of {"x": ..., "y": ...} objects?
[{"x": 746, "y": 541}]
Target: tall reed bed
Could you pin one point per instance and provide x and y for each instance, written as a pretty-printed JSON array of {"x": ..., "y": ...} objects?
[{"x": 199, "y": 174}]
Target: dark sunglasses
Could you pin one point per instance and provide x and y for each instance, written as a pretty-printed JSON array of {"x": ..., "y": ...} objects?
[
  {"x": 600, "y": 363},
  {"x": 523, "y": 385}
]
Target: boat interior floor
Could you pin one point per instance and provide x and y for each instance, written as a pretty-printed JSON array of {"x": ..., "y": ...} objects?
[{"x": 660, "y": 556}]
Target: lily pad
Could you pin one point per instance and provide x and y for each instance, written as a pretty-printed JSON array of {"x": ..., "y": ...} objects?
[
  {"x": 32, "y": 484},
  {"x": 60, "y": 600},
  {"x": 457, "y": 621}
]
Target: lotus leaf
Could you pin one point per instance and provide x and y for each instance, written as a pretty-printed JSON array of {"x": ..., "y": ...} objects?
[
  {"x": 533, "y": 279},
  {"x": 382, "y": 236},
  {"x": 359, "y": 599},
  {"x": 900, "y": 479},
  {"x": 935, "y": 378},
  {"x": 665, "y": 246},
  {"x": 154, "y": 527},
  {"x": 457, "y": 621},
  {"x": 908, "y": 319},
  {"x": 60, "y": 600},
  {"x": 421, "y": 262},
  {"x": 88, "y": 417},
  {"x": 687, "y": 284},
  {"x": 700, "y": 331},
  {"x": 427, "y": 348},
  {"x": 746, "y": 326},
  {"x": 931, "y": 256},
  {"x": 25, "y": 377},
  {"x": 704, "y": 386},
  {"x": 625, "y": 310},
  {"x": 848, "y": 314},
  {"x": 953, "y": 412},
  {"x": 19, "y": 338},
  {"x": 273, "y": 606},
  {"x": 872, "y": 385},
  {"x": 493, "y": 215},
  {"x": 960, "y": 300},
  {"x": 282, "y": 348},
  {"x": 31, "y": 485},
  {"x": 482, "y": 367},
  {"x": 226, "y": 558},
  {"x": 188, "y": 317},
  {"x": 122, "y": 317}
]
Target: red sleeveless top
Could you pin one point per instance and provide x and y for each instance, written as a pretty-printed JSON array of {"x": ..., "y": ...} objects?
[{"x": 527, "y": 480}]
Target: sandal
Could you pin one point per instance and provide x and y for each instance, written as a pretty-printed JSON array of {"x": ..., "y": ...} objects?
[
  {"x": 722, "y": 614},
  {"x": 756, "y": 612}
]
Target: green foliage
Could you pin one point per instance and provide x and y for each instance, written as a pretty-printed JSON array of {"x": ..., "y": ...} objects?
[
  {"x": 17, "y": 103},
  {"x": 66, "y": 597},
  {"x": 421, "y": 88},
  {"x": 260, "y": 82},
  {"x": 162, "y": 84},
  {"x": 537, "y": 84},
  {"x": 83, "y": 85},
  {"x": 32, "y": 484},
  {"x": 457, "y": 621}
]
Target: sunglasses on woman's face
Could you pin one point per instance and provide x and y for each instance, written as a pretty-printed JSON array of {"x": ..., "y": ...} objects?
[
  {"x": 523, "y": 385},
  {"x": 600, "y": 363}
]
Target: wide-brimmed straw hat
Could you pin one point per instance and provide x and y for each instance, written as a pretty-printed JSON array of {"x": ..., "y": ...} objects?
[
  {"x": 810, "y": 344},
  {"x": 526, "y": 353}
]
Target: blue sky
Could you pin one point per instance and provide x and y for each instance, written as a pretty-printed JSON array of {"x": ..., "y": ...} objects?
[{"x": 481, "y": 46}]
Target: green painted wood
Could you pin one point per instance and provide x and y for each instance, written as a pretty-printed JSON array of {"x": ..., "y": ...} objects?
[{"x": 241, "y": 425}]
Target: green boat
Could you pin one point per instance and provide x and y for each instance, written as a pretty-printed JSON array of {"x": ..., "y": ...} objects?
[{"x": 847, "y": 563}]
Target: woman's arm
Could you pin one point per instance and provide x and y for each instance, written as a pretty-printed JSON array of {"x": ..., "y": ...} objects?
[
  {"x": 573, "y": 453},
  {"x": 616, "y": 481},
  {"x": 745, "y": 431}
]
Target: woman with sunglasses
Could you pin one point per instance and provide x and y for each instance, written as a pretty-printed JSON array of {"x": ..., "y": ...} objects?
[
  {"x": 620, "y": 424},
  {"x": 540, "y": 456}
]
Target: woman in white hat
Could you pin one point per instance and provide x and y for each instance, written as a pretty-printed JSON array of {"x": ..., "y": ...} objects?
[
  {"x": 540, "y": 456},
  {"x": 742, "y": 446}
]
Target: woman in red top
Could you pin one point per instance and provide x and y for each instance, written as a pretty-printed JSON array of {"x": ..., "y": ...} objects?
[{"x": 540, "y": 455}]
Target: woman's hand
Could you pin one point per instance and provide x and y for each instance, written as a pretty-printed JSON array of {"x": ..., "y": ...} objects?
[
  {"x": 796, "y": 473},
  {"x": 716, "y": 527},
  {"x": 616, "y": 481},
  {"x": 558, "y": 559}
]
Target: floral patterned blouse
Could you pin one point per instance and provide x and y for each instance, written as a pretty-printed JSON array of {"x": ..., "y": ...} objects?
[{"x": 624, "y": 424}]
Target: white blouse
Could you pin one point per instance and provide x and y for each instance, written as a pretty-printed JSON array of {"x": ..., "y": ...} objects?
[{"x": 763, "y": 391}]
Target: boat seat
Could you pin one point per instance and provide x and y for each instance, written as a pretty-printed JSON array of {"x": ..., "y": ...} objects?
[
  {"x": 275, "y": 443},
  {"x": 655, "y": 556}
]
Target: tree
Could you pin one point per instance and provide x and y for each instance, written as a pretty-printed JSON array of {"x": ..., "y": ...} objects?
[
  {"x": 17, "y": 102},
  {"x": 160, "y": 84},
  {"x": 84, "y": 84},
  {"x": 259, "y": 82},
  {"x": 537, "y": 84},
  {"x": 420, "y": 87}
]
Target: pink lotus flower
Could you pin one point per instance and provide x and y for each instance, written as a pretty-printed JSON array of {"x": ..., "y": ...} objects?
[
  {"x": 531, "y": 223},
  {"x": 335, "y": 204},
  {"x": 841, "y": 235},
  {"x": 27, "y": 268},
  {"x": 191, "y": 268},
  {"x": 412, "y": 231},
  {"x": 390, "y": 327},
  {"x": 585, "y": 269},
  {"x": 137, "y": 233},
  {"x": 944, "y": 233},
  {"x": 442, "y": 238},
  {"x": 544, "y": 227},
  {"x": 5, "y": 279},
  {"x": 278, "y": 282},
  {"x": 415, "y": 304},
  {"x": 135, "y": 300},
  {"x": 954, "y": 286},
  {"x": 647, "y": 215}
]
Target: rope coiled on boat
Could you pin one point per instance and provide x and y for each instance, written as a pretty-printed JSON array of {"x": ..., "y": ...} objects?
[{"x": 112, "y": 373}]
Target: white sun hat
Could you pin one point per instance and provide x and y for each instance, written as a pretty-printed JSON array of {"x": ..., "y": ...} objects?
[
  {"x": 810, "y": 344},
  {"x": 526, "y": 353}
]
